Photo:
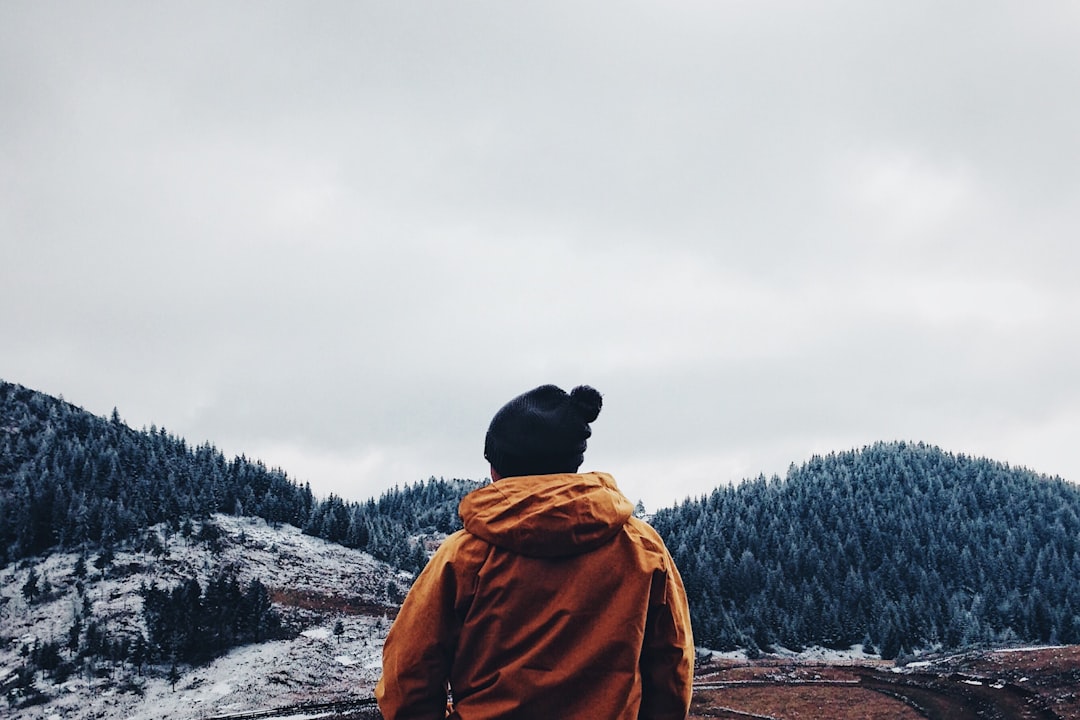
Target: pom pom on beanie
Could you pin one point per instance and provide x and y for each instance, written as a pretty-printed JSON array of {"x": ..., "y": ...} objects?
[
  {"x": 542, "y": 431},
  {"x": 588, "y": 402}
]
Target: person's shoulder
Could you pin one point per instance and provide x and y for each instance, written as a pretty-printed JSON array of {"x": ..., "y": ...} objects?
[
  {"x": 645, "y": 535},
  {"x": 461, "y": 546}
]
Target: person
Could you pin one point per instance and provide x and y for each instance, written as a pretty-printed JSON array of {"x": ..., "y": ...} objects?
[{"x": 553, "y": 602}]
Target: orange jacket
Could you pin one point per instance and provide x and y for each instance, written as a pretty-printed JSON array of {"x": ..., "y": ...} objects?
[{"x": 552, "y": 603}]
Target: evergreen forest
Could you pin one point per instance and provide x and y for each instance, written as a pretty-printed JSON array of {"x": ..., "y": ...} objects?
[
  {"x": 189, "y": 624},
  {"x": 72, "y": 480},
  {"x": 898, "y": 546}
]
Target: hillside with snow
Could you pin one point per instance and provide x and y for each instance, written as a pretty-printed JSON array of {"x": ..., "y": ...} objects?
[
  {"x": 900, "y": 547},
  {"x": 335, "y": 606}
]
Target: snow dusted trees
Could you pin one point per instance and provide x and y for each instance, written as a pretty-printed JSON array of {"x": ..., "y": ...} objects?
[
  {"x": 74, "y": 480},
  {"x": 901, "y": 545},
  {"x": 70, "y": 479},
  {"x": 387, "y": 528},
  {"x": 187, "y": 624}
]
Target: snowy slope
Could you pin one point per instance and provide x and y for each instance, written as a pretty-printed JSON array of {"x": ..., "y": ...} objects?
[{"x": 314, "y": 584}]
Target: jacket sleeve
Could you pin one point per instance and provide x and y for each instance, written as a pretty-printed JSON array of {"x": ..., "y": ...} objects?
[
  {"x": 667, "y": 656},
  {"x": 420, "y": 646}
]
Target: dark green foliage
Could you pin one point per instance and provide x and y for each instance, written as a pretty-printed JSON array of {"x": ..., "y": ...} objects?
[
  {"x": 900, "y": 545},
  {"x": 69, "y": 478},
  {"x": 387, "y": 528},
  {"x": 46, "y": 656},
  {"x": 187, "y": 624},
  {"x": 74, "y": 634},
  {"x": 30, "y": 588}
]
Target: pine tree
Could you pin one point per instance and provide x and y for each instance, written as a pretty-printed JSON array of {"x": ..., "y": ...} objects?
[{"x": 30, "y": 588}]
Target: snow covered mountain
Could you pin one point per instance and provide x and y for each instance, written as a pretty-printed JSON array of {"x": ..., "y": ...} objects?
[{"x": 335, "y": 605}]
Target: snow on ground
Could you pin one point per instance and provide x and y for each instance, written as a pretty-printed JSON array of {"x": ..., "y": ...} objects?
[
  {"x": 854, "y": 654},
  {"x": 270, "y": 675},
  {"x": 737, "y": 655},
  {"x": 825, "y": 655},
  {"x": 332, "y": 583}
]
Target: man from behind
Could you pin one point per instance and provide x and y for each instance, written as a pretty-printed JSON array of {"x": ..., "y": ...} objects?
[{"x": 554, "y": 602}]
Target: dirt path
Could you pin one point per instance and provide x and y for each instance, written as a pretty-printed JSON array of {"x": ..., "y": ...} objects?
[{"x": 959, "y": 698}]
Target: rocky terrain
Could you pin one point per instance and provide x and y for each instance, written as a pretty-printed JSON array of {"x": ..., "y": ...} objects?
[{"x": 336, "y": 605}]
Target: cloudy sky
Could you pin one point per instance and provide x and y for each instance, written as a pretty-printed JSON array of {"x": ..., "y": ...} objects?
[{"x": 337, "y": 236}]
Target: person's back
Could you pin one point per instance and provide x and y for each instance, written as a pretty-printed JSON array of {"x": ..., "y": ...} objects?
[{"x": 553, "y": 602}]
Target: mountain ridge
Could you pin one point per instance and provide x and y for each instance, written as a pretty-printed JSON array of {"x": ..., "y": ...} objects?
[
  {"x": 900, "y": 546},
  {"x": 71, "y": 479}
]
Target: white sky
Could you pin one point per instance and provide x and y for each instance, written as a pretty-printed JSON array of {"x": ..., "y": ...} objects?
[{"x": 337, "y": 236}]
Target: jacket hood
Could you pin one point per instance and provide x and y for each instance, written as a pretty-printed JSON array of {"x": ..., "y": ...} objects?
[{"x": 547, "y": 515}]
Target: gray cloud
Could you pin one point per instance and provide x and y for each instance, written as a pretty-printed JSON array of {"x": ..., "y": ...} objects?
[{"x": 339, "y": 236}]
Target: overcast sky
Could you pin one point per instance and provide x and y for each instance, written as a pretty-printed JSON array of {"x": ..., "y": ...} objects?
[{"x": 338, "y": 236}]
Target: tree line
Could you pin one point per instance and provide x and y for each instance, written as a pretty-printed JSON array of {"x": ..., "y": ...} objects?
[
  {"x": 187, "y": 623},
  {"x": 388, "y": 527},
  {"x": 898, "y": 546},
  {"x": 70, "y": 480}
]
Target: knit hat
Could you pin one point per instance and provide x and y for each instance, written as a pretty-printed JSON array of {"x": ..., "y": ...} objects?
[{"x": 542, "y": 432}]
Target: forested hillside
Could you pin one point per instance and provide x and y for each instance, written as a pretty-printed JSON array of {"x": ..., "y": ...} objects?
[
  {"x": 899, "y": 546},
  {"x": 70, "y": 479},
  {"x": 388, "y": 528}
]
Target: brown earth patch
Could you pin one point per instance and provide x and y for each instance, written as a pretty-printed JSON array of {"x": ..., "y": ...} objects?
[
  {"x": 1039, "y": 684},
  {"x": 1052, "y": 674},
  {"x": 308, "y": 600},
  {"x": 799, "y": 702}
]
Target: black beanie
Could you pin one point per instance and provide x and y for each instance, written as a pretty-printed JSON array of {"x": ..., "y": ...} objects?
[{"x": 542, "y": 432}]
